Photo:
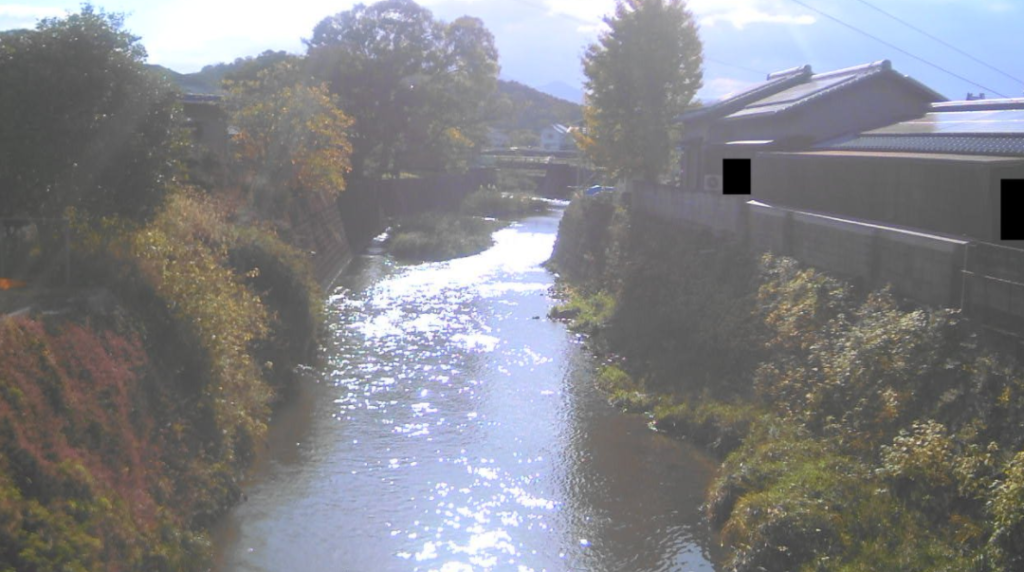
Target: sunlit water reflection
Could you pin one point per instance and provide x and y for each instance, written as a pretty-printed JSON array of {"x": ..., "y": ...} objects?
[{"x": 455, "y": 428}]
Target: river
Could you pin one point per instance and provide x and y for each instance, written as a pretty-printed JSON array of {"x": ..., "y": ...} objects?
[{"x": 454, "y": 427}]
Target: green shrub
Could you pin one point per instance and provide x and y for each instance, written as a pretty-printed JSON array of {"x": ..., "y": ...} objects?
[
  {"x": 437, "y": 236},
  {"x": 183, "y": 253},
  {"x": 489, "y": 201},
  {"x": 1007, "y": 510},
  {"x": 719, "y": 426},
  {"x": 516, "y": 181},
  {"x": 283, "y": 278},
  {"x": 877, "y": 434},
  {"x": 686, "y": 311},
  {"x": 622, "y": 390},
  {"x": 789, "y": 501},
  {"x": 586, "y": 312},
  {"x": 591, "y": 246}
]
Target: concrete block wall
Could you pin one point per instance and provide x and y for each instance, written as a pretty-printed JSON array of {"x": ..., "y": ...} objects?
[
  {"x": 927, "y": 267},
  {"x": 767, "y": 227},
  {"x": 831, "y": 245},
  {"x": 318, "y": 228},
  {"x": 919, "y": 266},
  {"x": 704, "y": 209}
]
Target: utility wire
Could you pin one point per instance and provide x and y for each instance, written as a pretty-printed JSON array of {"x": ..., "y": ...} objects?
[
  {"x": 576, "y": 19},
  {"x": 939, "y": 40},
  {"x": 897, "y": 48},
  {"x": 727, "y": 64}
]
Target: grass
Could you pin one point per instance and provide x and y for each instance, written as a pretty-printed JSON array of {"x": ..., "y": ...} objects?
[
  {"x": 585, "y": 313},
  {"x": 490, "y": 201},
  {"x": 440, "y": 236}
]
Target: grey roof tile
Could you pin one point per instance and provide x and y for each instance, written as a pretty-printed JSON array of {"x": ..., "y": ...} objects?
[{"x": 1002, "y": 145}]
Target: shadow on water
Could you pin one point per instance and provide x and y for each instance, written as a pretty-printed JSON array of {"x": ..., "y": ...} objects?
[{"x": 454, "y": 428}]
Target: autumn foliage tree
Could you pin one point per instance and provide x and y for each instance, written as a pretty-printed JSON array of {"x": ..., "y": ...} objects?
[
  {"x": 292, "y": 138},
  {"x": 642, "y": 72}
]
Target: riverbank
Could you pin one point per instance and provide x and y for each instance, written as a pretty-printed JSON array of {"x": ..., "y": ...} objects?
[
  {"x": 857, "y": 432},
  {"x": 449, "y": 427},
  {"x": 128, "y": 417}
]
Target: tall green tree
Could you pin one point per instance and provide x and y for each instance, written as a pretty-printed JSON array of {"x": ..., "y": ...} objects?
[
  {"x": 642, "y": 72},
  {"x": 84, "y": 124},
  {"x": 416, "y": 87}
]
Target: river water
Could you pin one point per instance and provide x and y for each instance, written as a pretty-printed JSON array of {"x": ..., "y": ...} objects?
[{"x": 453, "y": 427}]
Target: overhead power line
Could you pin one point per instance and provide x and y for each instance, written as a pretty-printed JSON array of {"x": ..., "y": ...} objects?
[
  {"x": 727, "y": 64},
  {"x": 939, "y": 40},
  {"x": 897, "y": 48}
]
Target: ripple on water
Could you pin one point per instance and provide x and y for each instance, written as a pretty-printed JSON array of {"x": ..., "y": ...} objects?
[{"x": 452, "y": 433}]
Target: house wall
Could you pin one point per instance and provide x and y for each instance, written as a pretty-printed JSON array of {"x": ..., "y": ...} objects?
[{"x": 943, "y": 196}]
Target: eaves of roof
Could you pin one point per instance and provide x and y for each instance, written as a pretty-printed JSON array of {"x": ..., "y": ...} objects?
[
  {"x": 905, "y": 155},
  {"x": 980, "y": 105},
  {"x": 959, "y": 144}
]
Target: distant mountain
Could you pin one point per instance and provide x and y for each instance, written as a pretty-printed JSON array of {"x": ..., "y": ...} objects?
[
  {"x": 564, "y": 91},
  {"x": 521, "y": 107},
  {"x": 205, "y": 81}
]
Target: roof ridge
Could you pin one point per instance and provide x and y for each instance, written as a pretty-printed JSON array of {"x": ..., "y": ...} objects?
[
  {"x": 872, "y": 66},
  {"x": 798, "y": 70}
]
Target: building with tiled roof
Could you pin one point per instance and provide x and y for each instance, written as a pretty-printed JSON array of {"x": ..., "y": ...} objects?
[
  {"x": 795, "y": 109},
  {"x": 940, "y": 172},
  {"x": 979, "y": 127}
]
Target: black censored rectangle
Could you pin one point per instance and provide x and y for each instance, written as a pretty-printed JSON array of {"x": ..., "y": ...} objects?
[
  {"x": 736, "y": 176},
  {"x": 1011, "y": 205}
]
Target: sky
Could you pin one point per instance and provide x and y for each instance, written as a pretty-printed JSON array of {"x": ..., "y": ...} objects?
[{"x": 541, "y": 41}]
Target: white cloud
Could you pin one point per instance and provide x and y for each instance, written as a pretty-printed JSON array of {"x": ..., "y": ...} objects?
[
  {"x": 589, "y": 11},
  {"x": 742, "y": 18},
  {"x": 741, "y": 13},
  {"x": 13, "y": 16},
  {"x": 174, "y": 36}
]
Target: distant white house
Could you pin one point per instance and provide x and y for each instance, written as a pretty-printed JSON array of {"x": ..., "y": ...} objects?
[{"x": 557, "y": 137}]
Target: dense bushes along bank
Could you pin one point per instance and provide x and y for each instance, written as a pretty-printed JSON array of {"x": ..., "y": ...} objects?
[
  {"x": 124, "y": 432},
  {"x": 436, "y": 235},
  {"x": 857, "y": 433}
]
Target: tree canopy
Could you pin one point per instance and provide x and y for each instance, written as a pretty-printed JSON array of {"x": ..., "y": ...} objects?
[
  {"x": 641, "y": 74},
  {"x": 292, "y": 138},
  {"x": 417, "y": 87},
  {"x": 85, "y": 125}
]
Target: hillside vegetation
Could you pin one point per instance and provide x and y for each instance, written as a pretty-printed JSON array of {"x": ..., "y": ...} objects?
[
  {"x": 513, "y": 107},
  {"x": 521, "y": 107},
  {"x": 857, "y": 432},
  {"x": 126, "y": 429}
]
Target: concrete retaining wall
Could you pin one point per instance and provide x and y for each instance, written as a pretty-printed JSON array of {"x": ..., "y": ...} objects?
[
  {"x": 920, "y": 266},
  {"x": 318, "y": 229}
]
